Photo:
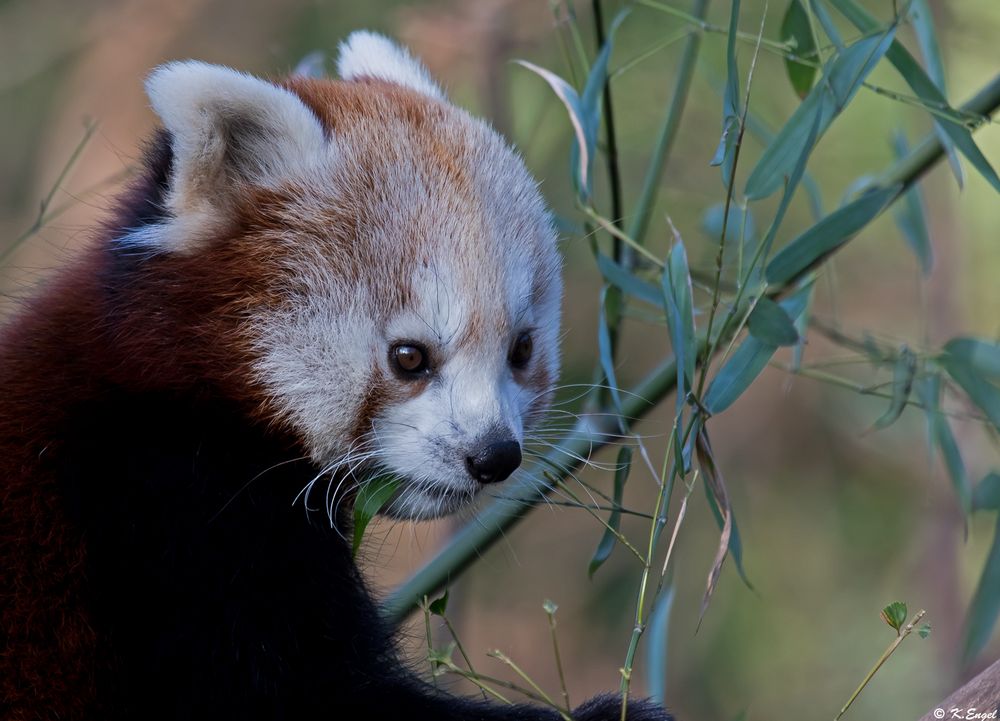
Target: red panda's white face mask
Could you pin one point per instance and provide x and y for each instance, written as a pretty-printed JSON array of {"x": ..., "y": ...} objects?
[{"x": 405, "y": 311}]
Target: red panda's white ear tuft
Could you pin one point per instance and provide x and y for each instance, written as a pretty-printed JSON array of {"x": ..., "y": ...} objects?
[
  {"x": 370, "y": 55},
  {"x": 228, "y": 131}
]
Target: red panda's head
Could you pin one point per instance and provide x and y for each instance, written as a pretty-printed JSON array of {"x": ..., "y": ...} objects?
[{"x": 398, "y": 288}]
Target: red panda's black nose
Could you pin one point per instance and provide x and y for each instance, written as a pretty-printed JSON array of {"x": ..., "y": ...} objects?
[{"x": 495, "y": 462}]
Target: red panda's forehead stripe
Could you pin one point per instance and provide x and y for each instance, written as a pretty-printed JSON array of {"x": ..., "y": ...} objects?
[{"x": 322, "y": 240}]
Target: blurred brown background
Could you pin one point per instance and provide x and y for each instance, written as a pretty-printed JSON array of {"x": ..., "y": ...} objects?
[{"x": 836, "y": 522}]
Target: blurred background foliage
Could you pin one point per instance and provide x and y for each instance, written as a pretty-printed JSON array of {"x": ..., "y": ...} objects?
[{"x": 836, "y": 520}]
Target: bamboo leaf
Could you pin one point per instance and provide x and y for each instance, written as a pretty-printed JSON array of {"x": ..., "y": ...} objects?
[
  {"x": 981, "y": 355},
  {"x": 826, "y": 236},
  {"x": 372, "y": 496},
  {"x": 439, "y": 605},
  {"x": 929, "y": 392},
  {"x": 748, "y": 360},
  {"x": 842, "y": 76},
  {"x": 857, "y": 187},
  {"x": 590, "y": 108},
  {"x": 657, "y": 646},
  {"x": 686, "y": 451},
  {"x": 583, "y": 147},
  {"x": 797, "y": 32},
  {"x": 904, "y": 372},
  {"x": 609, "y": 301},
  {"x": 801, "y": 326},
  {"x": 754, "y": 276},
  {"x": 607, "y": 542},
  {"x": 923, "y": 26},
  {"x": 983, "y": 393},
  {"x": 742, "y": 368},
  {"x": 679, "y": 304},
  {"x": 954, "y": 463},
  {"x": 726, "y": 152},
  {"x": 826, "y": 22},
  {"x": 735, "y": 542},
  {"x": 985, "y": 606},
  {"x": 925, "y": 89},
  {"x": 771, "y": 325},
  {"x": 764, "y": 133},
  {"x": 716, "y": 488},
  {"x": 986, "y": 497},
  {"x": 615, "y": 274},
  {"x": 911, "y": 218},
  {"x": 598, "y": 75}
]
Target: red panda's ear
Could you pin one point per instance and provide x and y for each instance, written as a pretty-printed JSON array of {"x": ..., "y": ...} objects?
[
  {"x": 370, "y": 55},
  {"x": 228, "y": 131}
]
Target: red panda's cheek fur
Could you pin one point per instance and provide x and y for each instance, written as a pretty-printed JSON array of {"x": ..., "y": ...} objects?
[
  {"x": 539, "y": 382},
  {"x": 380, "y": 391}
]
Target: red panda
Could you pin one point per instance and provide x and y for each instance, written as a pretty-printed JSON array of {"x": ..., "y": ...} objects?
[{"x": 313, "y": 282}]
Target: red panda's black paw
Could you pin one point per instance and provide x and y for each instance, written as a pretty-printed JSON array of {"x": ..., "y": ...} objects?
[{"x": 608, "y": 707}]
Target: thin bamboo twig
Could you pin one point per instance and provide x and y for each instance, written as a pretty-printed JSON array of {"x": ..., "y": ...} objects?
[
  {"x": 622, "y": 539},
  {"x": 43, "y": 216},
  {"x": 882, "y": 659},
  {"x": 461, "y": 648},
  {"x": 505, "y": 659},
  {"x": 717, "y": 287},
  {"x": 659, "y": 520},
  {"x": 550, "y": 611}
]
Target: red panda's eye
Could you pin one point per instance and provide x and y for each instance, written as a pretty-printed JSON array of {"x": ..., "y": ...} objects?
[
  {"x": 409, "y": 359},
  {"x": 520, "y": 352}
]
